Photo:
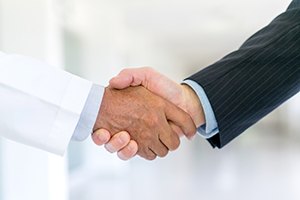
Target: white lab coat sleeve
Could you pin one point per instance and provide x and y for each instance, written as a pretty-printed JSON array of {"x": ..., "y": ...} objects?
[{"x": 40, "y": 105}]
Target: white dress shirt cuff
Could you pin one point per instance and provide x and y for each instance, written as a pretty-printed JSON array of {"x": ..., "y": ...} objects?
[
  {"x": 89, "y": 114},
  {"x": 210, "y": 128}
]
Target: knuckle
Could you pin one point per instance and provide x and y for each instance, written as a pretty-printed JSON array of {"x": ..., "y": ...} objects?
[
  {"x": 152, "y": 120},
  {"x": 148, "y": 69},
  {"x": 144, "y": 138},
  {"x": 155, "y": 120},
  {"x": 125, "y": 71}
]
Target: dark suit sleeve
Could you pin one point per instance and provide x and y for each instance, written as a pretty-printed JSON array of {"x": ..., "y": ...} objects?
[{"x": 249, "y": 83}]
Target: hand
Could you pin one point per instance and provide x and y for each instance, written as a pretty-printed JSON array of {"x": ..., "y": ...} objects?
[
  {"x": 120, "y": 142},
  {"x": 181, "y": 95},
  {"x": 146, "y": 117}
]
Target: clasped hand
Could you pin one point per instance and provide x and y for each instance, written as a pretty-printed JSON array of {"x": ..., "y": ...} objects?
[{"x": 145, "y": 113}]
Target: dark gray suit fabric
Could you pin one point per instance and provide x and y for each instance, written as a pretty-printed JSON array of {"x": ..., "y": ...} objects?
[{"x": 249, "y": 83}]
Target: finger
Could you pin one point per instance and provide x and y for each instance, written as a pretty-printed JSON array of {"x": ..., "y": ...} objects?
[
  {"x": 160, "y": 149},
  {"x": 128, "y": 151},
  {"x": 150, "y": 154},
  {"x": 176, "y": 129},
  {"x": 147, "y": 153},
  {"x": 101, "y": 137},
  {"x": 180, "y": 119},
  {"x": 118, "y": 141},
  {"x": 168, "y": 137}
]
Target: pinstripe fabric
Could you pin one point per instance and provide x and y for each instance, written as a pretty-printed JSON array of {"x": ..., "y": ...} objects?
[{"x": 249, "y": 83}]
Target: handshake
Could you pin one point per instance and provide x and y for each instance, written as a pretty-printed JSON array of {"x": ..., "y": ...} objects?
[{"x": 145, "y": 113}]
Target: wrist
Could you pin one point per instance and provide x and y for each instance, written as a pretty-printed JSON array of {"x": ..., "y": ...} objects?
[{"x": 193, "y": 105}]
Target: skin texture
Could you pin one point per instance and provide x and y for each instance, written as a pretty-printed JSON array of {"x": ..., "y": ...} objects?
[
  {"x": 180, "y": 95},
  {"x": 146, "y": 117}
]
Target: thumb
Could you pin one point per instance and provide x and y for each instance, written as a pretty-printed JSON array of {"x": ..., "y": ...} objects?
[
  {"x": 121, "y": 81},
  {"x": 131, "y": 77}
]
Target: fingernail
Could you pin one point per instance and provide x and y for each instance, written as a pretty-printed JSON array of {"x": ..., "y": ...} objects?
[
  {"x": 123, "y": 138},
  {"x": 101, "y": 138},
  {"x": 122, "y": 156},
  {"x": 109, "y": 147}
]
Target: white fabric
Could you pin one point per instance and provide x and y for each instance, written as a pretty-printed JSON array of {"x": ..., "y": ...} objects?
[
  {"x": 39, "y": 105},
  {"x": 89, "y": 114}
]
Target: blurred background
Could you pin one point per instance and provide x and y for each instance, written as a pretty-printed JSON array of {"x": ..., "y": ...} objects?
[{"x": 95, "y": 39}]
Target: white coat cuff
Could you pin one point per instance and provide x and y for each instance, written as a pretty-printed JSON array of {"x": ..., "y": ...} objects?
[{"x": 89, "y": 114}]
